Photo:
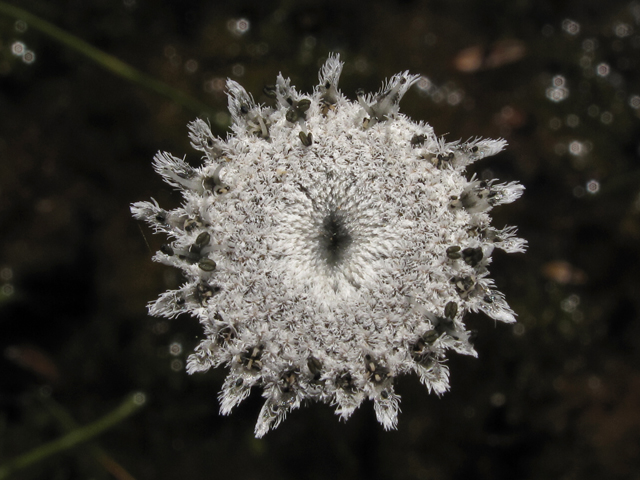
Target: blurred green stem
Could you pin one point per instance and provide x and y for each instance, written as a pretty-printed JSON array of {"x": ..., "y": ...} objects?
[
  {"x": 68, "y": 423},
  {"x": 106, "y": 61},
  {"x": 130, "y": 406}
]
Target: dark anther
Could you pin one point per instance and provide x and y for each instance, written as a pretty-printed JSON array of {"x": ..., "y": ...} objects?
[
  {"x": 244, "y": 109},
  {"x": 474, "y": 149},
  {"x": 488, "y": 299},
  {"x": 345, "y": 382},
  {"x": 464, "y": 285},
  {"x": 384, "y": 394},
  {"x": 327, "y": 85},
  {"x": 472, "y": 256},
  {"x": 288, "y": 381},
  {"x": 180, "y": 301},
  {"x": 250, "y": 359},
  {"x": 419, "y": 349},
  {"x": 161, "y": 217},
  {"x": 417, "y": 140},
  {"x": 166, "y": 249},
  {"x": 428, "y": 359},
  {"x": 239, "y": 382},
  {"x": 190, "y": 224},
  {"x": 306, "y": 138},
  {"x": 377, "y": 373},
  {"x": 442, "y": 158},
  {"x": 450, "y": 309},
  {"x": 225, "y": 335},
  {"x": 204, "y": 292}
]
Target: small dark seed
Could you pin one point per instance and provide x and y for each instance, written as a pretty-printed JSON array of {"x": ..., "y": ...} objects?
[
  {"x": 451, "y": 309},
  {"x": 430, "y": 336},
  {"x": 291, "y": 116},
  {"x": 207, "y": 265},
  {"x": 417, "y": 140},
  {"x": 304, "y": 104},
  {"x": 306, "y": 139},
  {"x": 166, "y": 249},
  {"x": 269, "y": 91},
  {"x": 244, "y": 109},
  {"x": 203, "y": 239},
  {"x": 315, "y": 367}
]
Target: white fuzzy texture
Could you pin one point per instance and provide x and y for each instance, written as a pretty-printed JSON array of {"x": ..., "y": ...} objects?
[{"x": 320, "y": 243}]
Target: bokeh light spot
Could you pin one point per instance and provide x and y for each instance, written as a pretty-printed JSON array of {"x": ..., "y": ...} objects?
[
  {"x": 570, "y": 26},
  {"x": 20, "y": 26},
  {"x": 606, "y": 118},
  {"x": 29, "y": 57},
  {"x": 18, "y": 49},
  {"x": 238, "y": 26},
  {"x": 593, "y": 186},
  {"x": 603, "y": 69}
]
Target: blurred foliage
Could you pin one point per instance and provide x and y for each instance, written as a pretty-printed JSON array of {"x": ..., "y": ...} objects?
[{"x": 555, "y": 396}]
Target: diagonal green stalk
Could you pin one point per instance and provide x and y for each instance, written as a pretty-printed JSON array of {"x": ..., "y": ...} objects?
[
  {"x": 106, "y": 61},
  {"x": 68, "y": 423},
  {"x": 130, "y": 406}
]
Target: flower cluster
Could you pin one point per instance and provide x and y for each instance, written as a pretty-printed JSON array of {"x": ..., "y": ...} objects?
[{"x": 329, "y": 246}]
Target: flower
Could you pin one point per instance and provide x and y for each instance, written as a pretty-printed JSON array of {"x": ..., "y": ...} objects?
[{"x": 329, "y": 246}]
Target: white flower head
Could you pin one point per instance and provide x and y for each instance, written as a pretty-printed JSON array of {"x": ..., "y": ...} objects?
[{"x": 329, "y": 246}]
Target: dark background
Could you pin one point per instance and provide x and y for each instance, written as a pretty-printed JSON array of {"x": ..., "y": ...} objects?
[{"x": 557, "y": 396}]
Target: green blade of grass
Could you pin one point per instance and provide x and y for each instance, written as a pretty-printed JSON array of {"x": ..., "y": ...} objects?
[
  {"x": 106, "y": 61},
  {"x": 80, "y": 435}
]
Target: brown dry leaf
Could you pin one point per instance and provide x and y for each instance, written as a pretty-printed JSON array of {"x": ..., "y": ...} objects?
[
  {"x": 35, "y": 360},
  {"x": 501, "y": 53},
  {"x": 564, "y": 273}
]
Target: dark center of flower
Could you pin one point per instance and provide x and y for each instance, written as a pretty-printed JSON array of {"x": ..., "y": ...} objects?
[{"x": 334, "y": 238}]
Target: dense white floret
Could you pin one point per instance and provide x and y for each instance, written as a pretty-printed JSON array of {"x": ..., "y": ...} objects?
[{"x": 330, "y": 246}]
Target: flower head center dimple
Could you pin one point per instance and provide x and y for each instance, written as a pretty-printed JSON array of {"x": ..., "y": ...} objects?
[{"x": 335, "y": 238}]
